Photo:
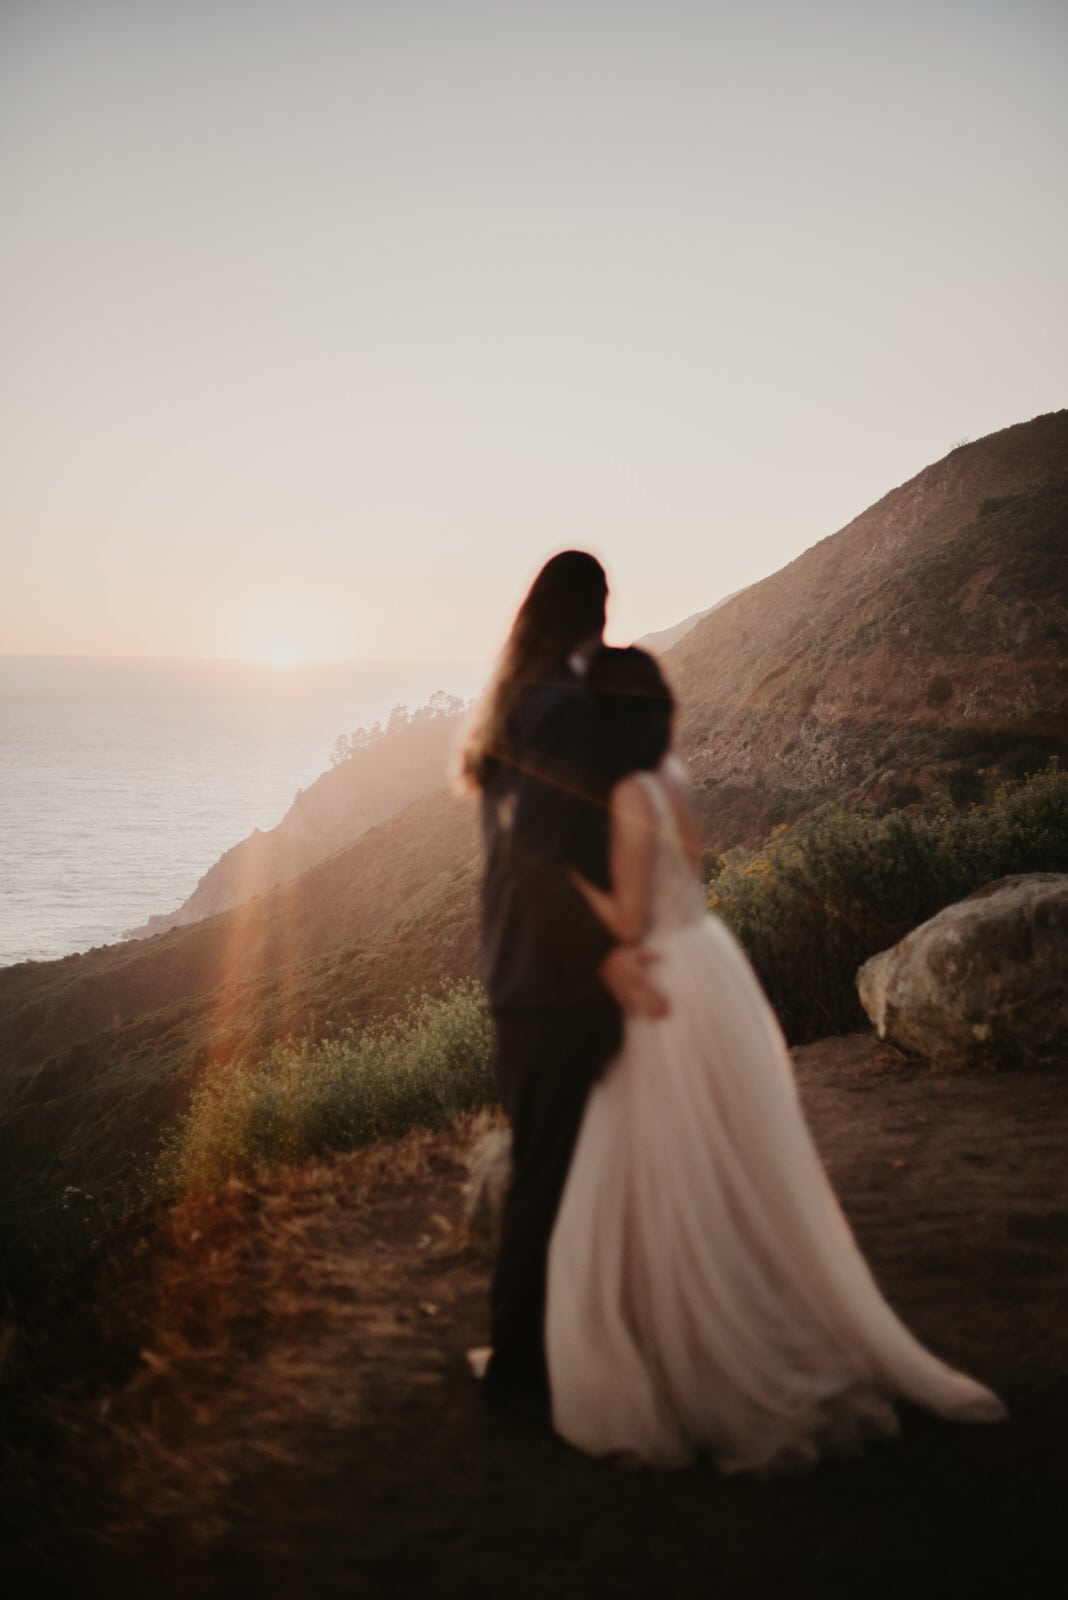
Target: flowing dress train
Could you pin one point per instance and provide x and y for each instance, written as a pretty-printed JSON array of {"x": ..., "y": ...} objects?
[{"x": 705, "y": 1293}]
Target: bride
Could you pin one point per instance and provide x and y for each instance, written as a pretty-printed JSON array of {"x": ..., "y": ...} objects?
[{"x": 705, "y": 1293}]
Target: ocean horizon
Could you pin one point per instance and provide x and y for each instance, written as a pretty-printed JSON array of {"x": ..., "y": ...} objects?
[{"x": 124, "y": 778}]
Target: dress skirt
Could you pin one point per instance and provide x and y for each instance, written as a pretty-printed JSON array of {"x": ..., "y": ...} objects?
[{"x": 705, "y": 1293}]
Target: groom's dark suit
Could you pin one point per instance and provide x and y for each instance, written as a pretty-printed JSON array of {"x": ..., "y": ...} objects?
[{"x": 556, "y": 1024}]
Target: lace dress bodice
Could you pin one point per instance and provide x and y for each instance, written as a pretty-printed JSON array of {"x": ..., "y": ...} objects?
[{"x": 675, "y": 900}]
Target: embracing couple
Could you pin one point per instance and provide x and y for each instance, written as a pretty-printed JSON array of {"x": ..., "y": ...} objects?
[{"x": 674, "y": 1274}]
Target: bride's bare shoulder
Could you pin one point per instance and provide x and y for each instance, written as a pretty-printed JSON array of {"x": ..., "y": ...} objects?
[
  {"x": 634, "y": 810},
  {"x": 631, "y": 797}
]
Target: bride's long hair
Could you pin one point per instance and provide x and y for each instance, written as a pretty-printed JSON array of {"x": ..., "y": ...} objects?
[{"x": 563, "y": 611}]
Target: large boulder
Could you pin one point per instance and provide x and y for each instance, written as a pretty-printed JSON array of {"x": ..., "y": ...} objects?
[{"x": 983, "y": 983}]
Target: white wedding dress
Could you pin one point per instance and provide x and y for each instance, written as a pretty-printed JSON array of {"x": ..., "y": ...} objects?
[{"x": 705, "y": 1293}]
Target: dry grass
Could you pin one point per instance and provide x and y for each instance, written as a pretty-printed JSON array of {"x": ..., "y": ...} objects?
[
  {"x": 419, "y": 1069},
  {"x": 266, "y": 1295},
  {"x": 238, "y": 1318}
]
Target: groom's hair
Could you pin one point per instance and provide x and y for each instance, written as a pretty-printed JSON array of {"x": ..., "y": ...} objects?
[
  {"x": 564, "y": 609},
  {"x": 635, "y": 709}
]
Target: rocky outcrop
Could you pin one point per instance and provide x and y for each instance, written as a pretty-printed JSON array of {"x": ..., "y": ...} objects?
[{"x": 983, "y": 983}]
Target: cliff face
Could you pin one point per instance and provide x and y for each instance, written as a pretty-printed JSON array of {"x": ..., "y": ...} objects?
[{"x": 920, "y": 652}]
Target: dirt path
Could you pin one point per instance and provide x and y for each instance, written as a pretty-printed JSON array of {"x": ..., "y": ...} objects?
[{"x": 303, "y": 1422}]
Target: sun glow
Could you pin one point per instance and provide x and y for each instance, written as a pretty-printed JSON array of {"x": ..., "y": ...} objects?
[
  {"x": 278, "y": 632},
  {"x": 280, "y": 658}
]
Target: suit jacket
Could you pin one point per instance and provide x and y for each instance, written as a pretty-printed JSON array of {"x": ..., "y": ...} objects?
[{"x": 541, "y": 943}]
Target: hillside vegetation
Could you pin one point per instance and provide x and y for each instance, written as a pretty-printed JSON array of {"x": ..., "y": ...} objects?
[
  {"x": 819, "y": 899},
  {"x": 298, "y": 1101}
]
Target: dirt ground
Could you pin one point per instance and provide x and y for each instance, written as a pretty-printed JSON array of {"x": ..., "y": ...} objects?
[{"x": 302, "y": 1421}]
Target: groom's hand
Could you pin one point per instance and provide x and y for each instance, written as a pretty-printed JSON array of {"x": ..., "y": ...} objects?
[{"x": 625, "y": 974}]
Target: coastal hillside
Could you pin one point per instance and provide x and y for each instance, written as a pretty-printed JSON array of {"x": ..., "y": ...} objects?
[
  {"x": 374, "y": 773},
  {"x": 917, "y": 656},
  {"x": 98, "y": 1052}
]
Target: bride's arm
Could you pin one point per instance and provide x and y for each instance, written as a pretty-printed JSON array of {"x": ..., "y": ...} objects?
[{"x": 632, "y": 823}]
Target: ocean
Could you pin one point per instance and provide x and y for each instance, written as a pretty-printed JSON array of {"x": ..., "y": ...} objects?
[{"x": 122, "y": 780}]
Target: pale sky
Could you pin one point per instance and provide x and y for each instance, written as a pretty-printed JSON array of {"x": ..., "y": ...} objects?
[{"x": 324, "y": 322}]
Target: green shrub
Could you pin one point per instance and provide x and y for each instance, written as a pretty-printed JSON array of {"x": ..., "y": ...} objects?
[
  {"x": 299, "y": 1101},
  {"x": 817, "y": 900}
]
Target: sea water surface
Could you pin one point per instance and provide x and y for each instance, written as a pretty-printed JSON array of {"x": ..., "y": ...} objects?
[{"x": 122, "y": 780}]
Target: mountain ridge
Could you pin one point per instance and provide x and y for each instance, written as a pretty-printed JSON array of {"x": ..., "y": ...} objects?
[{"x": 793, "y": 690}]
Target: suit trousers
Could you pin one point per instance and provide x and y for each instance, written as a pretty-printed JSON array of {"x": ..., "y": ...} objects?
[{"x": 548, "y": 1059}]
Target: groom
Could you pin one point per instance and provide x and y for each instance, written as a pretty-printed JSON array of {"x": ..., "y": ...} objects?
[{"x": 558, "y": 983}]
